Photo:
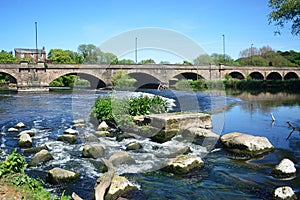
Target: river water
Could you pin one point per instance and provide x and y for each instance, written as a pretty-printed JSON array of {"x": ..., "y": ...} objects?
[{"x": 223, "y": 177}]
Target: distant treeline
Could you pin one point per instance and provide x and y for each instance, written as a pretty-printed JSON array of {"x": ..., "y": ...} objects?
[{"x": 89, "y": 53}]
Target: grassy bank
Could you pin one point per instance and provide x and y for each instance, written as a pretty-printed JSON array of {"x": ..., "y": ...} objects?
[
  {"x": 15, "y": 184},
  {"x": 273, "y": 86}
]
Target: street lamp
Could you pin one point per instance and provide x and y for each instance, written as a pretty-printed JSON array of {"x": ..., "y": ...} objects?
[
  {"x": 223, "y": 48},
  {"x": 251, "y": 53}
]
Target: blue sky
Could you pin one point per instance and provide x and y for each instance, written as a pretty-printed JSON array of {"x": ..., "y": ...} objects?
[{"x": 67, "y": 24}]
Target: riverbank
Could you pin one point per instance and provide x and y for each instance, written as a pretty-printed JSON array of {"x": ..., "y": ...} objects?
[{"x": 230, "y": 84}]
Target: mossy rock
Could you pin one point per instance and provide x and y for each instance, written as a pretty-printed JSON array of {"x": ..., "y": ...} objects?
[
  {"x": 93, "y": 151},
  {"x": 124, "y": 136},
  {"x": 35, "y": 149},
  {"x": 133, "y": 146},
  {"x": 67, "y": 138},
  {"x": 59, "y": 176},
  {"x": 40, "y": 157},
  {"x": 183, "y": 164},
  {"x": 164, "y": 136},
  {"x": 25, "y": 140}
]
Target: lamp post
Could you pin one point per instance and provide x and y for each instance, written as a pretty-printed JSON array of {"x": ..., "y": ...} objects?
[
  {"x": 36, "y": 43},
  {"x": 223, "y": 48},
  {"x": 251, "y": 54},
  {"x": 136, "y": 40}
]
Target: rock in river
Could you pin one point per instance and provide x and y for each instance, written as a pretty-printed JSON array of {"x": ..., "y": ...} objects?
[
  {"x": 20, "y": 125},
  {"x": 25, "y": 140},
  {"x": 284, "y": 193},
  {"x": 119, "y": 186},
  {"x": 183, "y": 164},
  {"x": 36, "y": 149},
  {"x": 67, "y": 138},
  {"x": 71, "y": 131},
  {"x": 102, "y": 126},
  {"x": 246, "y": 145},
  {"x": 121, "y": 157},
  {"x": 40, "y": 157},
  {"x": 58, "y": 175},
  {"x": 93, "y": 151},
  {"x": 29, "y": 132},
  {"x": 285, "y": 168}
]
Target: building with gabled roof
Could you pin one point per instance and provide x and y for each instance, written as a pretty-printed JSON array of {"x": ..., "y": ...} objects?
[{"x": 31, "y": 54}]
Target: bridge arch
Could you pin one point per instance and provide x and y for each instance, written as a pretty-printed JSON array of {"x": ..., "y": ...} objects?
[
  {"x": 256, "y": 76},
  {"x": 145, "y": 81},
  {"x": 237, "y": 75},
  {"x": 291, "y": 76},
  {"x": 274, "y": 76},
  {"x": 95, "y": 82},
  {"x": 189, "y": 76},
  {"x": 8, "y": 77}
]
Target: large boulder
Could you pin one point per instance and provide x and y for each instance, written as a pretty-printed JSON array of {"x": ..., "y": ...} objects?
[
  {"x": 121, "y": 157},
  {"x": 284, "y": 193},
  {"x": 183, "y": 164},
  {"x": 124, "y": 136},
  {"x": 246, "y": 145},
  {"x": 25, "y": 140},
  {"x": 58, "y": 176},
  {"x": 285, "y": 168},
  {"x": 67, "y": 138},
  {"x": 119, "y": 186},
  {"x": 40, "y": 157},
  {"x": 93, "y": 151}
]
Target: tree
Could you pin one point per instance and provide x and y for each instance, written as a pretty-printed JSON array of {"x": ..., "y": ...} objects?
[
  {"x": 203, "y": 59},
  {"x": 7, "y": 57},
  {"x": 126, "y": 62},
  {"x": 251, "y": 51},
  {"x": 284, "y": 12},
  {"x": 60, "y": 56},
  {"x": 94, "y": 55},
  {"x": 148, "y": 61},
  {"x": 219, "y": 58}
]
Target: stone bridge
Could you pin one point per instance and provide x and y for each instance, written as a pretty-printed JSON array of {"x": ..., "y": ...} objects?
[{"x": 39, "y": 76}]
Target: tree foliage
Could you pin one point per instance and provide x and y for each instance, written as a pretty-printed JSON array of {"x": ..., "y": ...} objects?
[
  {"x": 94, "y": 55},
  {"x": 60, "y": 56},
  {"x": 284, "y": 12},
  {"x": 147, "y": 61},
  {"x": 7, "y": 57},
  {"x": 203, "y": 59}
]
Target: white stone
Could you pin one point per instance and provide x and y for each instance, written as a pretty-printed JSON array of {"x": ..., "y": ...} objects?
[
  {"x": 284, "y": 192},
  {"x": 78, "y": 121},
  {"x": 20, "y": 125},
  {"x": 25, "y": 140},
  {"x": 102, "y": 126},
  {"x": 13, "y": 129},
  {"x": 183, "y": 164},
  {"x": 286, "y": 166},
  {"x": 71, "y": 131}
]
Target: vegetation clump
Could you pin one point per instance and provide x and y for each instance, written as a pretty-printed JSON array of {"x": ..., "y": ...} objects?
[
  {"x": 120, "y": 112},
  {"x": 13, "y": 180}
]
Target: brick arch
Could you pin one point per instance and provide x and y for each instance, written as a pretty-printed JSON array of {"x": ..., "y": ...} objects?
[
  {"x": 291, "y": 75},
  {"x": 257, "y": 75},
  {"x": 274, "y": 76},
  {"x": 13, "y": 77},
  {"x": 188, "y": 76},
  {"x": 237, "y": 74},
  {"x": 145, "y": 80},
  {"x": 95, "y": 81}
]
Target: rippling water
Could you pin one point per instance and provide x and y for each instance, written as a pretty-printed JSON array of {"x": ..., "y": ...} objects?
[{"x": 222, "y": 177}]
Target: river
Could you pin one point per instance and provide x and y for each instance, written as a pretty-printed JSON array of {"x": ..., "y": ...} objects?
[{"x": 223, "y": 177}]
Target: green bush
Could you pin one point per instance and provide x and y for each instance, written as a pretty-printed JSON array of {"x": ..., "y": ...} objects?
[
  {"x": 14, "y": 163},
  {"x": 120, "y": 112}
]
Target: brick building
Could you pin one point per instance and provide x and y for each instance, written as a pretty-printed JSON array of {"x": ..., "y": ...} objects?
[{"x": 32, "y": 54}]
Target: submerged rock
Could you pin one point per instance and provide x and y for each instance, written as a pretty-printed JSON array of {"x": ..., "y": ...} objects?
[
  {"x": 40, "y": 157},
  {"x": 58, "y": 176},
  {"x": 20, "y": 125},
  {"x": 93, "y": 151},
  {"x": 284, "y": 193},
  {"x": 183, "y": 164},
  {"x": 246, "y": 145},
  {"x": 36, "y": 149},
  {"x": 119, "y": 186},
  {"x": 285, "y": 168},
  {"x": 201, "y": 132},
  {"x": 25, "y": 140},
  {"x": 67, "y": 138}
]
